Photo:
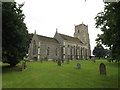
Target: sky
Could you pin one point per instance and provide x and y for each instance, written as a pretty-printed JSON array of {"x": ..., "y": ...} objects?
[{"x": 45, "y": 16}]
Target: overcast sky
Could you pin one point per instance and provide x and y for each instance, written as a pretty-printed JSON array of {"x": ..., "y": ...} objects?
[{"x": 45, "y": 16}]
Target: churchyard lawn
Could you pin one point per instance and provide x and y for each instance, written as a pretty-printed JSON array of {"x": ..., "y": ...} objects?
[{"x": 49, "y": 75}]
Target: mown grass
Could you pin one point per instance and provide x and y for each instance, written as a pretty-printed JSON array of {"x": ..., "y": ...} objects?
[{"x": 49, "y": 75}]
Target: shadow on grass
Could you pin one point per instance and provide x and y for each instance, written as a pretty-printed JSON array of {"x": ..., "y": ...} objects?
[
  {"x": 114, "y": 64},
  {"x": 7, "y": 69}
]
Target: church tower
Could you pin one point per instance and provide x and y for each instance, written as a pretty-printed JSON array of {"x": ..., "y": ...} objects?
[{"x": 81, "y": 32}]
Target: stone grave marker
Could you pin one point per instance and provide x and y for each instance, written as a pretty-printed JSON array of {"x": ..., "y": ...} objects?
[
  {"x": 59, "y": 63},
  {"x": 62, "y": 61},
  {"x": 102, "y": 69},
  {"x": 41, "y": 60},
  {"x": 78, "y": 66},
  {"x": 94, "y": 61},
  {"x": 23, "y": 65},
  {"x": 68, "y": 61}
]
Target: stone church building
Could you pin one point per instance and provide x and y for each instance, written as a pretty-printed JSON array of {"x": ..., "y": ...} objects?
[{"x": 61, "y": 46}]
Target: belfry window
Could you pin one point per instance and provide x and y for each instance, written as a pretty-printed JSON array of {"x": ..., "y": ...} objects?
[{"x": 34, "y": 47}]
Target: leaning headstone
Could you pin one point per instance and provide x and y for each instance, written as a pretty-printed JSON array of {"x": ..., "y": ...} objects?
[
  {"x": 90, "y": 57},
  {"x": 62, "y": 61},
  {"x": 102, "y": 68},
  {"x": 53, "y": 60},
  {"x": 94, "y": 61},
  {"x": 68, "y": 61},
  {"x": 41, "y": 60},
  {"x": 78, "y": 65},
  {"x": 22, "y": 66},
  {"x": 59, "y": 63},
  {"x": 25, "y": 65}
]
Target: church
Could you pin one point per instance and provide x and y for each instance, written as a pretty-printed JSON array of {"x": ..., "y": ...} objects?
[{"x": 61, "y": 46}]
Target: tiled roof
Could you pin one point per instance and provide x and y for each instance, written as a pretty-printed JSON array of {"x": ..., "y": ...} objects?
[
  {"x": 69, "y": 38},
  {"x": 47, "y": 39}
]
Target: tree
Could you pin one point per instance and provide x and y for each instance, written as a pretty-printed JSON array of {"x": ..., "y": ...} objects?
[
  {"x": 107, "y": 52},
  {"x": 109, "y": 23},
  {"x": 30, "y": 35},
  {"x": 14, "y": 34},
  {"x": 99, "y": 51}
]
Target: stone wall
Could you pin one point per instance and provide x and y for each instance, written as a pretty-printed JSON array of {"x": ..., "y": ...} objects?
[
  {"x": 81, "y": 32},
  {"x": 44, "y": 50}
]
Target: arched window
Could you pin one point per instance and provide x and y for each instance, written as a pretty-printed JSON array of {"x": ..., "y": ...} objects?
[
  {"x": 48, "y": 51},
  {"x": 71, "y": 50},
  {"x": 74, "y": 50},
  {"x": 34, "y": 47},
  {"x": 81, "y": 52},
  {"x": 63, "y": 49},
  {"x": 56, "y": 51}
]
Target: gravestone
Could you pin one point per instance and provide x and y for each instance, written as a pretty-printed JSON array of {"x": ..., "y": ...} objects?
[
  {"x": 23, "y": 65},
  {"x": 78, "y": 65},
  {"x": 94, "y": 61},
  {"x": 90, "y": 57},
  {"x": 41, "y": 60},
  {"x": 102, "y": 69},
  {"x": 54, "y": 60},
  {"x": 68, "y": 61},
  {"x": 62, "y": 61},
  {"x": 59, "y": 63}
]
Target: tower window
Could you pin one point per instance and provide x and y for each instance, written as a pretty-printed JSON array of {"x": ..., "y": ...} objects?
[{"x": 78, "y": 31}]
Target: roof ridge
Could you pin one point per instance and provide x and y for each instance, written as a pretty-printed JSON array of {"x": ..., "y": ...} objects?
[
  {"x": 45, "y": 36},
  {"x": 48, "y": 39},
  {"x": 68, "y": 35}
]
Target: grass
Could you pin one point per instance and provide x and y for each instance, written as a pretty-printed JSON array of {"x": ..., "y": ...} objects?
[{"x": 49, "y": 75}]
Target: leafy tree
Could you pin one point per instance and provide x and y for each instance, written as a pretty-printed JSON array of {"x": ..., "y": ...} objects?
[
  {"x": 109, "y": 23},
  {"x": 14, "y": 34},
  {"x": 30, "y": 35},
  {"x": 107, "y": 52},
  {"x": 99, "y": 51}
]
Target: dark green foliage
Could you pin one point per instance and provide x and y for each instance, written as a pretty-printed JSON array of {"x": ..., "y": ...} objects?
[
  {"x": 99, "y": 51},
  {"x": 30, "y": 35},
  {"x": 14, "y": 34},
  {"x": 109, "y": 23}
]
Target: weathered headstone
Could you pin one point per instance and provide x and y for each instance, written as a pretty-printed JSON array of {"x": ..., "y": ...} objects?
[
  {"x": 78, "y": 66},
  {"x": 68, "y": 61},
  {"x": 94, "y": 61},
  {"x": 102, "y": 69},
  {"x": 53, "y": 60},
  {"x": 59, "y": 63},
  {"x": 62, "y": 61},
  {"x": 23, "y": 65},
  {"x": 41, "y": 60},
  {"x": 90, "y": 57}
]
